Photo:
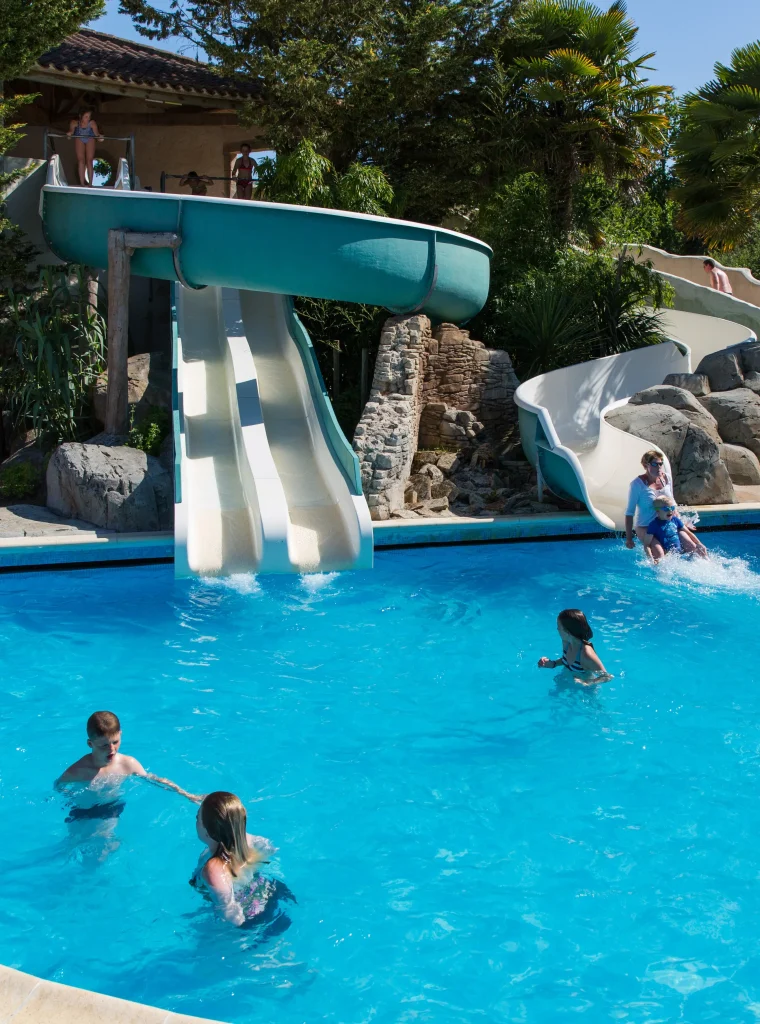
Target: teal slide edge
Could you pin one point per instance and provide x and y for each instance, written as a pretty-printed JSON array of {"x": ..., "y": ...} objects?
[
  {"x": 341, "y": 450},
  {"x": 273, "y": 247}
]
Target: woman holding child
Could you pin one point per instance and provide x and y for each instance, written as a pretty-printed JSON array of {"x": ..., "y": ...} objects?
[{"x": 639, "y": 513}]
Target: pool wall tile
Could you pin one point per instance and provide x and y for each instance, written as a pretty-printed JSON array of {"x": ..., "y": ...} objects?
[{"x": 96, "y": 548}]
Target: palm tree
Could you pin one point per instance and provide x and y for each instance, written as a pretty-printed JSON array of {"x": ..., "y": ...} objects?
[
  {"x": 575, "y": 96},
  {"x": 718, "y": 152}
]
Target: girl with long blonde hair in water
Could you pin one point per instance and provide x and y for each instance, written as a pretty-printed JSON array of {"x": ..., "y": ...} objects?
[{"x": 226, "y": 870}]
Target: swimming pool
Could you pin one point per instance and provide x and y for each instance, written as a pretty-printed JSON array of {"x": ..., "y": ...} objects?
[{"x": 466, "y": 838}]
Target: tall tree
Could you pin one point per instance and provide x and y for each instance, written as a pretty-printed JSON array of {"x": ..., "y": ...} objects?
[
  {"x": 567, "y": 95},
  {"x": 718, "y": 152},
  {"x": 388, "y": 82}
]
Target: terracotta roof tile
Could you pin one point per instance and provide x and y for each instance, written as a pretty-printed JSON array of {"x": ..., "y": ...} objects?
[{"x": 103, "y": 56}]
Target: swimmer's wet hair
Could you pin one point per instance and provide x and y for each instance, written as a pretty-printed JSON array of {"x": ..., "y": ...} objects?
[
  {"x": 102, "y": 723},
  {"x": 574, "y": 622},
  {"x": 709, "y": 263},
  {"x": 647, "y": 457},
  {"x": 663, "y": 501}
]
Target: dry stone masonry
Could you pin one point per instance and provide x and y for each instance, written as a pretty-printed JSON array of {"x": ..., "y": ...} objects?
[{"x": 436, "y": 390}]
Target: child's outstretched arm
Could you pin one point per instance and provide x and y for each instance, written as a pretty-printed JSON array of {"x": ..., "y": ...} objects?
[
  {"x": 548, "y": 663},
  {"x": 137, "y": 769}
]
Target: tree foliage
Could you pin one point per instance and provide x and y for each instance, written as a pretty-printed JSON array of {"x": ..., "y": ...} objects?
[
  {"x": 392, "y": 83},
  {"x": 718, "y": 152},
  {"x": 567, "y": 95}
]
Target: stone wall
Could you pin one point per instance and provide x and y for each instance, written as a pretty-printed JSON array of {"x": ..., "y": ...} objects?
[
  {"x": 466, "y": 388},
  {"x": 386, "y": 437},
  {"x": 432, "y": 390}
]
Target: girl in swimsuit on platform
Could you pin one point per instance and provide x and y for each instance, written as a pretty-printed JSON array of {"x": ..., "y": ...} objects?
[
  {"x": 227, "y": 870},
  {"x": 243, "y": 170},
  {"x": 578, "y": 654},
  {"x": 84, "y": 132}
]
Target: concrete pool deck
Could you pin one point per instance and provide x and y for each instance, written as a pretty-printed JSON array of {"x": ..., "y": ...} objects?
[
  {"x": 25, "y": 999},
  {"x": 44, "y": 542}
]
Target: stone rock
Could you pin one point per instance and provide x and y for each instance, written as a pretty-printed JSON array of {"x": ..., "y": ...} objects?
[
  {"x": 422, "y": 458},
  {"x": 752, "y": 381},
  {"x": 404, "y": 513},
  {"x": 410, "y": 496},
  {"x": 445, "y": 489},
  {"x": 448, "y": 462},
  {"x": 723, "y": 369},
  {"x": 476, "y": 501},
  {"x": 697, "y": 383},
  {"x": 743, "y": 465},
  {"x": 702, "y": 477},
  {"x": 436, "y": 505},
  {"x": 149, "y": 387},
  {"x": 737, "y": 413},
  {"x": 750, "y": 357},
  {"x": 120, "y": 489},
  {"x": 422, "y": 485},
  {"x": 664, "y": 427},
  {"x": 432, "y": 471},
  {"x": 379, "y": 513},
  {"x": 684, "y": 401}
]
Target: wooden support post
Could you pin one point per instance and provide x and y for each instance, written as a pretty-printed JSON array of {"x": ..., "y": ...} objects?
[
  {"x": 336, "y": 373},
  {"x": 118, "y": 326},
  {"x": 121, "y": 245}
]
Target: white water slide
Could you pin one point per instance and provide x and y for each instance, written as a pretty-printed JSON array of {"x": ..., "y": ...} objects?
[
  {"x": 577, "y": 453},
  {"x": 260, "y": 488}
]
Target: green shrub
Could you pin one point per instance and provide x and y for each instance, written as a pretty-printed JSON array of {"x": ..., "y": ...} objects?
[
  {"x": 150, "y": 434},
  {"x": 19, "y": 481},
  {"x": 57, "y": 350}
]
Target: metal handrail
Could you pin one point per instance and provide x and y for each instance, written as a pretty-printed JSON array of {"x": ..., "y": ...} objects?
[
  {"x": 129, "y": 139},
  {"x": 212, "y": 177}
]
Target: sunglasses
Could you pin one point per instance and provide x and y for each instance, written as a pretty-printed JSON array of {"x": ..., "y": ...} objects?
[
  {"x": 659, "y": 465},
  {"x": 666, "y": 508}
]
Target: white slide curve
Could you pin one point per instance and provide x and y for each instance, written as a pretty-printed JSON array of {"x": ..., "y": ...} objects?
[
  {"x": 263, "y": 484},
  {"x": 564, "y": 433}
]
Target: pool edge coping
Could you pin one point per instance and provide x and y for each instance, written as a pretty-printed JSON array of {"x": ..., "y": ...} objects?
[
  {"x": 90, "y": 548},
  {"x": 28, "y": 999}
]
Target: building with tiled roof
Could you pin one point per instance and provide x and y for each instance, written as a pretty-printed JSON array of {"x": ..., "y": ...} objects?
[
  {"x": 169, "y": 114},
  {"x": 97, "y": 59}
]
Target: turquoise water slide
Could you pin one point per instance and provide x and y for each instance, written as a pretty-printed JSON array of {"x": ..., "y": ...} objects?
[{"x": 265, "y": 479}]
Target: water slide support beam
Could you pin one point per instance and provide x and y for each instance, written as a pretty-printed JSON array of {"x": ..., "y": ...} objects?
[{"x": 121, "y": 245}]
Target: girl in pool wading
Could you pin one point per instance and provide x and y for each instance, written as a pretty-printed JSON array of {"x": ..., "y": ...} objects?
[{"x": 578, "y": 654}]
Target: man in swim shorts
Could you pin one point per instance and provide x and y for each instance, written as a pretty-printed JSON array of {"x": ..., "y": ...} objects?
[
  {"x": 104, "y": 768},
  {"x": 718, "y": 277}
]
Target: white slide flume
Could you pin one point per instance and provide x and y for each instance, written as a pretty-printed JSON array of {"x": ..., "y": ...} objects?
[
  {"x": 564, "y": 433},
  {"x": 266, "y": 481}
]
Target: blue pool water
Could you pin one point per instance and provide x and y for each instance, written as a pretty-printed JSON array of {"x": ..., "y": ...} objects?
[{"x": 467, "y": 838}]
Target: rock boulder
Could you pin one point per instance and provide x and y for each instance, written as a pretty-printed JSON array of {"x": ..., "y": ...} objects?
[
  {"x": 684, "y": 401},
  {"x": 737, "y": 413},
  {"x": 723, "y": 369},
  {"x": 697, "y": 383},
  {"x": 149, "y": 387},
  {"x": 702, "y": 477},
  {"x": 120, "y": 489},
  {"x": 742, "y": 464},
  {"x": 666, "y": 428}
]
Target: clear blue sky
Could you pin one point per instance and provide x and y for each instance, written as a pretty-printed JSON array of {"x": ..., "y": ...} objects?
[{"x": 688, "y": 35}]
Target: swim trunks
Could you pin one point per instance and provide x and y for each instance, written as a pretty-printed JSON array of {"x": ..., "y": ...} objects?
[
  {"x": 103, "y": 812},
  {"x": 666, "y": 532}
]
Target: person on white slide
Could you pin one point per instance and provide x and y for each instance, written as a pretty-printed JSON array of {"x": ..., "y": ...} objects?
[
  {"x": 718, "y": 278},
  {"x": 652, "y": 483}
]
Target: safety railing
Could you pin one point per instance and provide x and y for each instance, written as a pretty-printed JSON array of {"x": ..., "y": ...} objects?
[
  {"x": 49, "y": 147},
  {"x": 165, "y": 175}
]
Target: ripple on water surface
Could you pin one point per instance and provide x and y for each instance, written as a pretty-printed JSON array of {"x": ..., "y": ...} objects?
[{"x": 467, "y": 838}]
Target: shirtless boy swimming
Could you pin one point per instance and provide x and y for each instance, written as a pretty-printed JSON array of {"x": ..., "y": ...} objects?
[{"x": 104, "y": 767}]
